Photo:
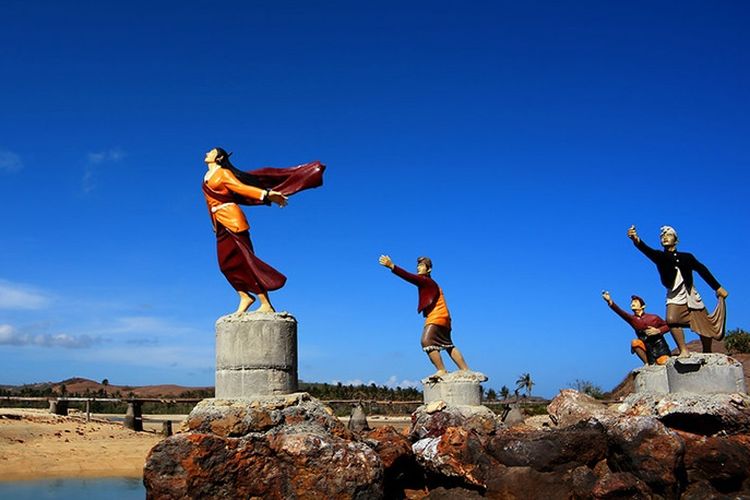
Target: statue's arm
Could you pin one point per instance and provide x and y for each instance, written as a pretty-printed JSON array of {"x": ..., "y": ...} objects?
[
  {"x": 625, "y": 316},
  {"x": 704, "y": 273},
  {"x": 414, "y": 279},
  {"x": 649, "y": 252},
  {"x": 233, "y": 184},
  {"x": 662, "y": 325},
  {"x": 640, "y": 245}
]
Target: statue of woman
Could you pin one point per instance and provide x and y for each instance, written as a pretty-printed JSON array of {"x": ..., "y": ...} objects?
[{"x": 225, "y": 188}]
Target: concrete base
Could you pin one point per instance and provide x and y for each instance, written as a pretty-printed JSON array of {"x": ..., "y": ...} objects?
[
  {"x": 711, "y": 373},
  {"x": 455, "y": 389},
  {"x": 256, "y": 355},
  {"x": 651, "y": 379}
]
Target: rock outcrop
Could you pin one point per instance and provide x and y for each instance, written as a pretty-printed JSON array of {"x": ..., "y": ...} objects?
[
  {"x": 292, "y": 447},
  {"x": 277, "y": 448}
]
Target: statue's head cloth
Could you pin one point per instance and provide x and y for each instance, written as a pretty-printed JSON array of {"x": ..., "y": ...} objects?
[{"x": 668, "y": 230}]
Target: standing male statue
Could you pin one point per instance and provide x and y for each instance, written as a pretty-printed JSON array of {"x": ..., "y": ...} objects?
[
  {"x": 436, "y": 335},
  {"x": 685, "y": 307}
]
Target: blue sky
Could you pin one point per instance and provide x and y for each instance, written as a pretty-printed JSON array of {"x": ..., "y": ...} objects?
[{"x": 512, "y": 142}]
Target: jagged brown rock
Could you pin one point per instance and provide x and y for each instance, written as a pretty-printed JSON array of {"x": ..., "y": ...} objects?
[{"x": 275, "y": 448}]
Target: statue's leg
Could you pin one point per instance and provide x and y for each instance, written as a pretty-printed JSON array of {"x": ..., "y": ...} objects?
[
  {"x": 641, "y": 354},
  {"x": 638, "y": 347},
  {"x": 457, "y": 358},
  {"x": 707, "y": 343},
  {"x": 246, "y": 300},
  {"x": 265, "y": 303},
  {"x": 679, "y": 337},
  {"x": 678, "y": 315},
  {"x": 437, "y": 360}
]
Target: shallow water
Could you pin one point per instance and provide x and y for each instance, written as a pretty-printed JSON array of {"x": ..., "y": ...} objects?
[{"x": 91, "y": 489}]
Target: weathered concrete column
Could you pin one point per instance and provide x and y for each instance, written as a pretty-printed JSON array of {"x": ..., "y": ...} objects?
[
  {"x": 256, "y": 355},
  {"x": 459, "y": 388}
]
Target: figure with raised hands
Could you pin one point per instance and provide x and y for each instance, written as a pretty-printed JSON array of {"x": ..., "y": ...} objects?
[
  {"x": 650, "y": 345},
  {"x": 685, "y": 308},
  {"x": 225, "y": 187},
  {"x": 436, "y": 335}
]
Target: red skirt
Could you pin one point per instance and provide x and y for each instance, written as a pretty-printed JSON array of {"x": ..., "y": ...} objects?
[{"x": 244, "y": 271}]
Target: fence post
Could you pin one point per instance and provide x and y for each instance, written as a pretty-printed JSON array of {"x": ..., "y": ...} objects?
[
  {"x": 133, "y": 417},
  {"x": 58, "y": 406}
]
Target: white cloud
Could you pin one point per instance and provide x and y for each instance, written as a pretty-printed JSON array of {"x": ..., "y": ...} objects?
[
  {"x": 10, "y": 336},
  {"x": 96, "y": 160},
  {"x": 10, "y": 161},
  {"x": 392, "y": 382},
  {"x": 184, "y": 356},
  {"x": 18, "y": 296},
  {"x": 111, "y": 155},
  {"x": 144, "y": 325}
]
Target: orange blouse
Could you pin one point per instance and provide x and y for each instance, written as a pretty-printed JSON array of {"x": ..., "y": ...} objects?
[
  {"x": 229, "y": 215},
  {"x": 439, "y": 314}
]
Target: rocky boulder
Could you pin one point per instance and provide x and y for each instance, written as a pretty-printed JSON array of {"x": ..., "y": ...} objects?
[
  {"x": 433, "y": 420},
  {"x": 278, "y": 447},
  {"x": 400, "y": 468},
  {"x": 695, "y": 413},
  {"x": 571, "y": 407}
]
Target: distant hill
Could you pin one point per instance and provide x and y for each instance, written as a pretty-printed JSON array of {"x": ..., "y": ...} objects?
[
  {"x": 78, "y": 386},
  {"x": 82, "y": 386},
  {"x": 626, "y": 386}
]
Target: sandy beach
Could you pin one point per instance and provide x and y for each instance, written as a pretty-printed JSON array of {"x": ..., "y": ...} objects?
[{"x": 35, "y": 444}]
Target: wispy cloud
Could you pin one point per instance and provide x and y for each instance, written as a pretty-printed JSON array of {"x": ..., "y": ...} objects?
[
  {"x": 11, "y": 336},
  {"x": 144, "y": 325},
  {"x": 111, "y": 155},
  {"x": 10, "y": 161},
  {"x": 392, "y": 382},
  {"x": 18, "y": 296},
  {"x": 96, "y": 160}
]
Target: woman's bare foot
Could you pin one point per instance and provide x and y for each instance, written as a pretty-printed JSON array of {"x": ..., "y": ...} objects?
[
  {"x": 265, "y": 304},
  {"x": 684, "y": 354},
  {"x": 438, "y": 375},
  {"x": 246, "y": 300}
]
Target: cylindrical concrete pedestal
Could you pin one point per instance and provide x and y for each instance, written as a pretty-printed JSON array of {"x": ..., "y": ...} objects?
[
  {"x": 454, "y": 393},
  {"x": 461, "y": 388},
  {"x": 256, "y": 355}
]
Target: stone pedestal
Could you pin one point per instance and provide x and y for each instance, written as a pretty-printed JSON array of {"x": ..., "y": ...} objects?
[
  {"x": 459, "y": 388},
  {"x": 256, "y": 355},
  {"x": 711, "y": 373}
]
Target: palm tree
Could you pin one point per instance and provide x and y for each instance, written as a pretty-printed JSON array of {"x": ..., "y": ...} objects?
[
  {"x": 504, "y": 392},
  {"x": 525, "y": 382}
]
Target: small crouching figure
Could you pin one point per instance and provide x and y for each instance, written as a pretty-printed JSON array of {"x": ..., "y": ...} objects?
[
  {"x": 650, "y": 345},
  {"x": 436, "y": 335}
]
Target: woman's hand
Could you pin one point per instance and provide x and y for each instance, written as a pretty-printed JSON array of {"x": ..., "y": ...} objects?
[{"x": 278, "y": 198}]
